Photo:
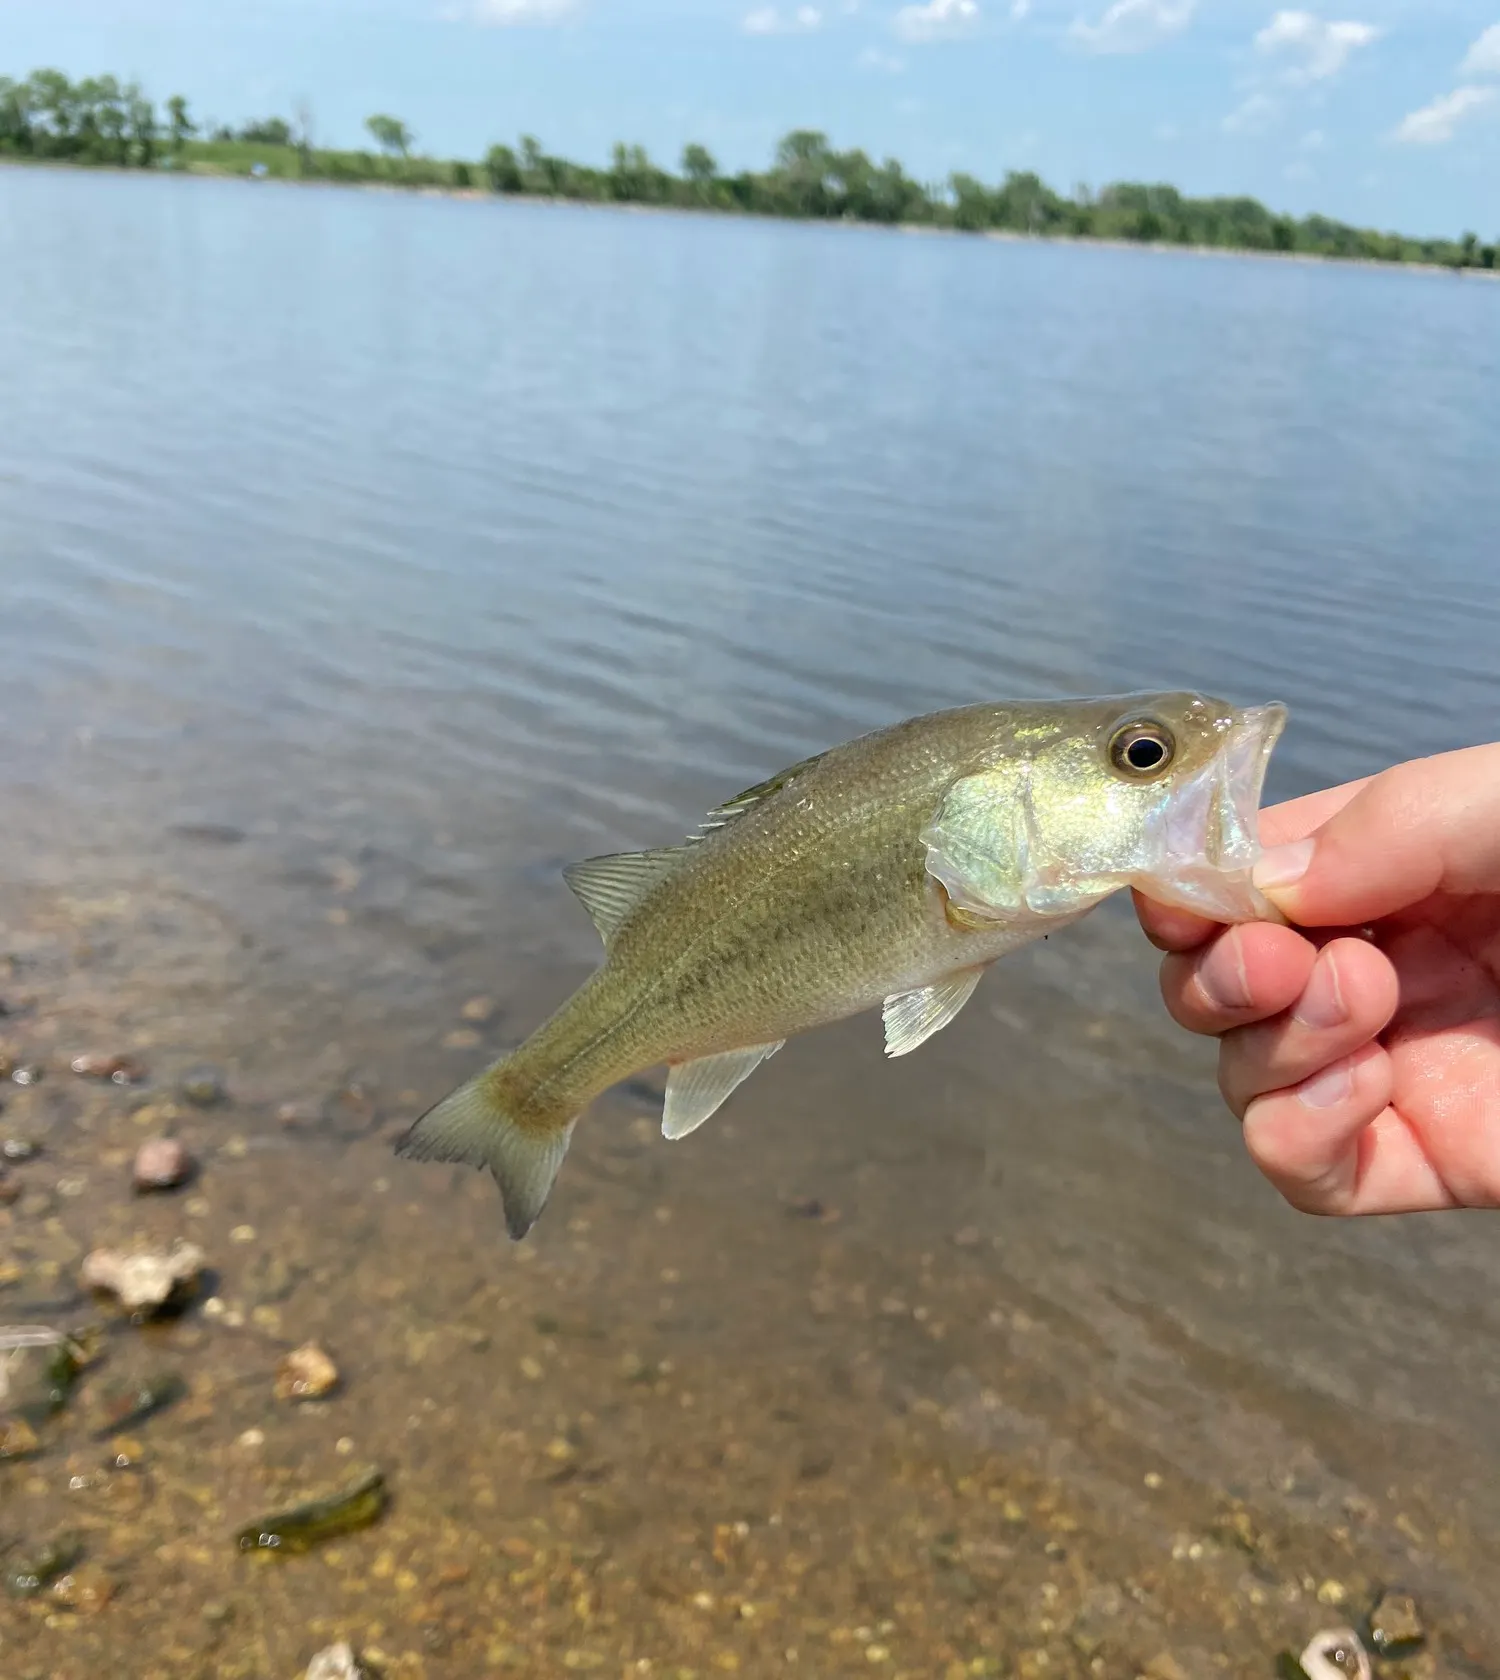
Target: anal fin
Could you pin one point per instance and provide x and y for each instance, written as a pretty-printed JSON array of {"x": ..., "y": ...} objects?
[
  {"x": 911, "y": 1018},
  {"x": 695, "y": 1089}
]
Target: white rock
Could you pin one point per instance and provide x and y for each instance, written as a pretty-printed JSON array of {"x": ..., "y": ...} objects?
[
  {"x": 338, "y": 1662},
  {"x": 142, "y": 1280}
]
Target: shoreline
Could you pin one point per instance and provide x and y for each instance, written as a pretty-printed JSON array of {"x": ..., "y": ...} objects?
[{"x": 1000, "y": 235}]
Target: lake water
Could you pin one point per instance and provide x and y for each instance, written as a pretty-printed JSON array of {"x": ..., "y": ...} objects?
[{"x": 366, "y": 557}]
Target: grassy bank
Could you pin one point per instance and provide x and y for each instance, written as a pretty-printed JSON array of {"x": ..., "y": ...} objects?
[{"x": 101, "y": 121}]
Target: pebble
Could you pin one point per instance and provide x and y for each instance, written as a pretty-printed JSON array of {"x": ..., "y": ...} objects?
[
  {"x": 203, "y": 1087},
  {"x": 87, "y": 1589},
  {"x": 461, "y": 1038},
  {"x": 143, "y": 1279},
  {"x": 19, "y": 1149},
  {"x": 337, "y": 1662},
  {"x": 1335, "y": 1654},
  {"x": 1395, "y": 1625},
  {"x": 480, "y": 1009},
  {"x": 121, "y": 1070},
  {"x": 17, "y": 1438},
  {"x": 307, "y": 1373},
  {"x": 161, "y": 1163},
  {"x": 26, "y": 1073}
]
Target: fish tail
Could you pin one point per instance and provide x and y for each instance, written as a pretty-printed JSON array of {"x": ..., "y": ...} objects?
[{"x": 493, "y": 1121}]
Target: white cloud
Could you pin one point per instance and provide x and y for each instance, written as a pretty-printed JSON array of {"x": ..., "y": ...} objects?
[
  {"x": 876, "y": 58},
  {"x": 1134, "y": 25},
  {"x": 512, "y": 14},
  {"x": 935, "y": 20},
  {"x": 1483, "y": 58},
  {"x": 1317, "y": 49},
  {"x": 1019, "y": 9},
  {"x": 768, "y": 21},
  {"x": 1313, "y": 141},
  {"x": 1436, "y": 123},
  {"x": 1253, "y": 115}
]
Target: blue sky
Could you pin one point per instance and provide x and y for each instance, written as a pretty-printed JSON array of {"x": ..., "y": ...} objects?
[{"x": 1379, "y": 111}]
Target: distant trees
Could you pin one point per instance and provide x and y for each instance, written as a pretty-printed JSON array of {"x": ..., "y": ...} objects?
[
  {"x": 698, "y": 165},
  {"x": 97, "y": 120},
  {"x": 270, "y": 131},
  {"x": 390, "y": 134},
  {"x": 180, "y": 126},
  {"x": 502, "y": 171},
  {"x": 100, "y": 120}
]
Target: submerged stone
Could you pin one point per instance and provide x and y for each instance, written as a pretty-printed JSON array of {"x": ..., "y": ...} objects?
[
  {"x": 1395, "y": 1625},
  {"x": 301, "y": 1527},
  {"x": 307, "y": 1373},
  {"x": 161, "y": 1164},
  {"x": 204, "y": 1087},
  {"x": 144, "y": 1280}
]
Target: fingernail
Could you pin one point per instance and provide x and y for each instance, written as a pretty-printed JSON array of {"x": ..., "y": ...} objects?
[
  {"x": 1328, "y": 1088},
  {"x": 1282, "y": 866},
  {"x": 1322, "y": 1003},
  {"x": 1221, "y": 974}
]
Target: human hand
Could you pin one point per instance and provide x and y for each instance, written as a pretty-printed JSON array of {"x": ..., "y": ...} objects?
[{"x": 1361, "y": 1046}]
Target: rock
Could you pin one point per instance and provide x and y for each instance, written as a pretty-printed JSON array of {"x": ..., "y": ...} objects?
[
  {"x": 86, "y": 1589},
  {"x": 122, "y": 1070},
  {"x": 143, "y": 1280},
  {"x": 314, "y": 1521},
  {"x": 26, "y": 1073},
  {"x": 1335, "y": 1654},
  {"x": 161, "y": 1163},
  {"x": 203, "y": 1087},
  {"x": 17, "y": 1438},
  {"x": 19, "y": 1149},
  {"x": 337, "y": 1662},
  {"x": 307, "y": 1373},
  {"x": 479, "y": 1010},
  {"x": 1395, "y": 1626}
]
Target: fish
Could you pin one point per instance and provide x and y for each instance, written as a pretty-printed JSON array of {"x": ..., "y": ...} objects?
[{"x": 890, "y": 871}]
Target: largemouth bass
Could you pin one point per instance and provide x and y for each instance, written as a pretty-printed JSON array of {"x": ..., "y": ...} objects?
[{"x": 892, "y": 870}]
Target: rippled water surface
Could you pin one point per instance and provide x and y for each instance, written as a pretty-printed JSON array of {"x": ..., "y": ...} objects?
[{"x": 364, "y": 558}]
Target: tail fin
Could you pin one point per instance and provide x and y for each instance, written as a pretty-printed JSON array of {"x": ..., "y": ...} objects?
[{"x": 472, "y": 1125}]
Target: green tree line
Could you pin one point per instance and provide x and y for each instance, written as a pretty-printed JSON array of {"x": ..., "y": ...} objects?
[{"x": 101, "y": 120}]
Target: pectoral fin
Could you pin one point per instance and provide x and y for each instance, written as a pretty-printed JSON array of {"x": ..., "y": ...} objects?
[
  {"x": 911, "y": 1018},
  {"x": 696, "y": 1089}
]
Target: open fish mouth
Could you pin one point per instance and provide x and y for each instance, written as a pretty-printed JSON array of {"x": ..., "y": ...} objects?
[{"x": 1204, "y": 837}]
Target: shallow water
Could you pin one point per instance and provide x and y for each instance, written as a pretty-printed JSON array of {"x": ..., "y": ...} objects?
[{"x": 363, "y": 558}]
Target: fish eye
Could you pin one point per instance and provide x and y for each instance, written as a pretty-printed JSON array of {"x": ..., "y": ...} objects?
[{"x": 1142, "y": 749}]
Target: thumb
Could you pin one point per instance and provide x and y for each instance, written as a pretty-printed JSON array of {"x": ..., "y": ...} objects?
[{"x": 1432, "y": 825}]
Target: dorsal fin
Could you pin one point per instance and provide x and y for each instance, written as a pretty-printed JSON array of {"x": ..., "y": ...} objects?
[
  {"x": 721, "y": 815},
  {"x": 610, "y": 887}
]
